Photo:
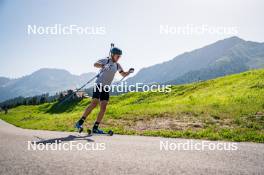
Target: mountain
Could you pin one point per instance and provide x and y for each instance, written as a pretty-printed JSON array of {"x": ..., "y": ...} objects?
[
  {"x": 42, "y": 81},
  {"x": 3, "y": 81},
  {"x": 228, "y": 56}
]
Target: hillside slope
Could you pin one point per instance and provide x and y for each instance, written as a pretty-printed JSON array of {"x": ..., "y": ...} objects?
[
  {"x": 224, "y": 57},
  {"x": 229, "y": 108}
]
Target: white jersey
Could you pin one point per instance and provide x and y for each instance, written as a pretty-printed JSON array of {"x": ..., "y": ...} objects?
[{"x": 107, "y": 77}]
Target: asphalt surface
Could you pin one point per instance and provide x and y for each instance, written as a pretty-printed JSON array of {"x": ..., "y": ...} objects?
[{"x": 119, "y": 155}]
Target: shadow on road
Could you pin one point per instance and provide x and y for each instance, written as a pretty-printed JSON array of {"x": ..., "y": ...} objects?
[{"x": 63, "y": 139}]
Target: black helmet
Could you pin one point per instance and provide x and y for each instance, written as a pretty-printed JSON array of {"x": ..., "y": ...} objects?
[{"x": 116, "y": 51}]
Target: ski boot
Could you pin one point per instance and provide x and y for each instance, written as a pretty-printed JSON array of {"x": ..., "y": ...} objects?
[
  {"x": 100, "y": 132},
  {"x": 79, "y": 126}
]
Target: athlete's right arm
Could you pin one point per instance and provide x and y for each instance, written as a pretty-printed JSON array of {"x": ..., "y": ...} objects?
[{"x": 100, "y": 63}]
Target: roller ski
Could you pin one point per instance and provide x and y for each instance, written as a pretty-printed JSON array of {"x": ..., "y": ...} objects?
[{"x": 99, "y": 132}]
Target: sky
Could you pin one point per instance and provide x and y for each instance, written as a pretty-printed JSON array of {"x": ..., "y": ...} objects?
[{"x": 133, "y": 25}]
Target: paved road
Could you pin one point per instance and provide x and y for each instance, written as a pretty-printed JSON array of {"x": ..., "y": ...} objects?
[{"x": 118, "y": 155}]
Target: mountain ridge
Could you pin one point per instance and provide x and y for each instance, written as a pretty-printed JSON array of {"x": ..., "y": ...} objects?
[
  {"x": 198, "y": 59},
  {"x": 44, "y": 80}
]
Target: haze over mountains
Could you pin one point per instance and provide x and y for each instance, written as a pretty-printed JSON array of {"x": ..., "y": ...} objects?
[
  {"x": 42, "y": 81},
  {"x": 231, "y": 55},
  {"x": 228, "y": 56},
  {"x": 3, "y": 80}
]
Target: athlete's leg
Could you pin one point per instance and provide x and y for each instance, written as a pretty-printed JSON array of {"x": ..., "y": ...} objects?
[
  {"x": 92, "y": 105},
  {"x": 90, "y": 108},
  {"x": 87, "y": 111},
  {"x": 104, "y": 98},
  {"x": 103, "y": 105}
]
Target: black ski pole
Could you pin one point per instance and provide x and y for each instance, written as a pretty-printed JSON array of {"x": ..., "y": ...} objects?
[
  {"x": 98, "y": 75},
  {"x": 77, "y": 90}
]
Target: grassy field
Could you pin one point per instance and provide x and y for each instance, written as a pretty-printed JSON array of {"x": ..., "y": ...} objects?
[{"x": 227, "y": 108}]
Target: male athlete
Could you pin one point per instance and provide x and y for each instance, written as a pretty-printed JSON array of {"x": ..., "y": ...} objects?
[{"x": 109, "y": 67}]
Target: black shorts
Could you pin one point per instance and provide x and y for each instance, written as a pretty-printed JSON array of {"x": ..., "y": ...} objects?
[{"x": 100, "y": 94}]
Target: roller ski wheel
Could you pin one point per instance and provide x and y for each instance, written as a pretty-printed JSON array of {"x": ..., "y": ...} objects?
[
  {"x": 110, "y": 132},
  {"x": 89, "y": 132}
]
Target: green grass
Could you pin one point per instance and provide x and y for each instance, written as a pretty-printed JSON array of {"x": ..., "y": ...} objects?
[{"x": 227, "y": 108}]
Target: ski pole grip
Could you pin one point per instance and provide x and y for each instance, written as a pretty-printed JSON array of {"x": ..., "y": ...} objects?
[{"x": 131, "y": 70}]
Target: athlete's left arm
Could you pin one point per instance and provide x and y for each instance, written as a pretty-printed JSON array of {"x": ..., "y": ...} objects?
[
  {"x": 124, "y": 74},
  {"x": 121, "y": 71}
]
